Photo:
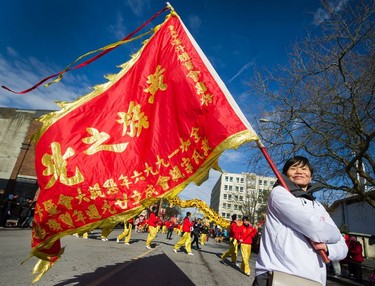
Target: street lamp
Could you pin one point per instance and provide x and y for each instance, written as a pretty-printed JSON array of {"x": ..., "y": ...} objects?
[{"x": 264, "y": 120}]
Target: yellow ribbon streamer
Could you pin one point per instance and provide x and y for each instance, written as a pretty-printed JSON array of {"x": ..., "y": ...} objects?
[{"x": 107, "y": 47}]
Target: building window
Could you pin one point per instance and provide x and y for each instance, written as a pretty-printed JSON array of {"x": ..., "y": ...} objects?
[
  {"x": 229, "y": 197},
  {"x": 225, "y": 187},
  {"x": 241, "y": 189},
  {"x": 230, "y": 188},
  {"x": 242, "y": 180},
  {"x": 230, "y": 179},
  {"x": 223, "y": 214},
  {"x": 224, "y": 205},
  {"x": 237, "y": 188},
  {"x": 237, "y": 180},
  {"x": 235, "y": 207},
  {"x": 225, "y": 196},
  {"x": 226, "y": 178},
  {"x": 241, "y": 198},
  {"x": 229, "y": 206}
]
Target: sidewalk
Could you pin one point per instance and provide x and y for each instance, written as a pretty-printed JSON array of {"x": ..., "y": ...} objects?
[{"x": 368, "y": 265}]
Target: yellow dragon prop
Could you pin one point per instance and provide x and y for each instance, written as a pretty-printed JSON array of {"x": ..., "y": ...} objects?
[{"x": 210, "y": 214}]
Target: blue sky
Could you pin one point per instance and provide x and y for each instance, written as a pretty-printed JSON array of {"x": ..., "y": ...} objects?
[{"x": 38, "y": 38}]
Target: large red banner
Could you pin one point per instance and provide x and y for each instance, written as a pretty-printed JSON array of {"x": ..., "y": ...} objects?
[{"x": 152, "y": 129}]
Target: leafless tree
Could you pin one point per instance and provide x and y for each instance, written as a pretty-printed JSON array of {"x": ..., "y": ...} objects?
[
  {"x": 321, "y": 104},
  {"x": 252, "y": 202},
  {"x": 250, "y": 205},
  {"x": 255, "y": 205}
]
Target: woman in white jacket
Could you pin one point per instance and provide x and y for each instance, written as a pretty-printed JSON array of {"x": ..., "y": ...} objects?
[{"x": 296, "y": 228}]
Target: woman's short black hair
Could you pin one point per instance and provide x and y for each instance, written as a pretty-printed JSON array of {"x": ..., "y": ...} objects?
[{"x": 297, "y": 160}]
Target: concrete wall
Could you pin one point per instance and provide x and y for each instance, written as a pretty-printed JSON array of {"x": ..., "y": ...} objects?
[
  {"x": 14, "y": 125},
  {"x": 368, "y": 244},
  {"x": 358, "y": 217}
]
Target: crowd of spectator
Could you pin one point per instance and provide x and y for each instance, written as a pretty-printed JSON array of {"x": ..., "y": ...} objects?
[{"x": 16, "y": 211}]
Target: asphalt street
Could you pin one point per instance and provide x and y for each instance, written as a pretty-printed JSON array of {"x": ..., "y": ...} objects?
[{"x": 96, "y": 262}]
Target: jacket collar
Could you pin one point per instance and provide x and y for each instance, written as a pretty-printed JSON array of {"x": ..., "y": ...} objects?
[{"x": 297, "y": 191}]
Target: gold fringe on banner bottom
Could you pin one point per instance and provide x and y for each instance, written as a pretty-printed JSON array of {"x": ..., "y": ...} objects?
[{"x": 44, "y": 264}]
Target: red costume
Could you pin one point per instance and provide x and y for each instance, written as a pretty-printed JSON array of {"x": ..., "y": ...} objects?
[
  {"x": 187, "y": 224},
  {"x": 355, "y": 251},
  {"x": 167, "y": 223},
  {"x": 233, "y": 230},
  {"x": 355, "y": 258},
  {"x": 246, "y": 234},
  {"x": 153, "y": 219}
]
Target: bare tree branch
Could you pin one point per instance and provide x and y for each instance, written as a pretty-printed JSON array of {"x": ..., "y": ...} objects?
[{"x": 321, "y": 104}]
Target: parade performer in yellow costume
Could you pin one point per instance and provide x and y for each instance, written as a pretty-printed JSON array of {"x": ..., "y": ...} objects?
[
  {"x": 205, "y": 231},
  {"x": 233, "y": 241},
  {"x": 127, "y": 233},
  {"x": 152, "y": 227},
  {"x": 186, "y": 238}
]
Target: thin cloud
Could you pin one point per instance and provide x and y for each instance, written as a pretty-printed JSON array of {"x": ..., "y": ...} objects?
[
  {"x": 12, "y": 52},
  {"x": 244, "y": 68},
  {"x": 18, "y": 74},
  {"x": 194, "y": 22},
  {"x": 231, "y": 156},
  {"x": 118, "y": 29},
  {"x": 137, "y": 6},
  {"x": 322, "y": 15},
  {"x": 202, "y": 192},
  {"x": 243, "y": 97}
]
